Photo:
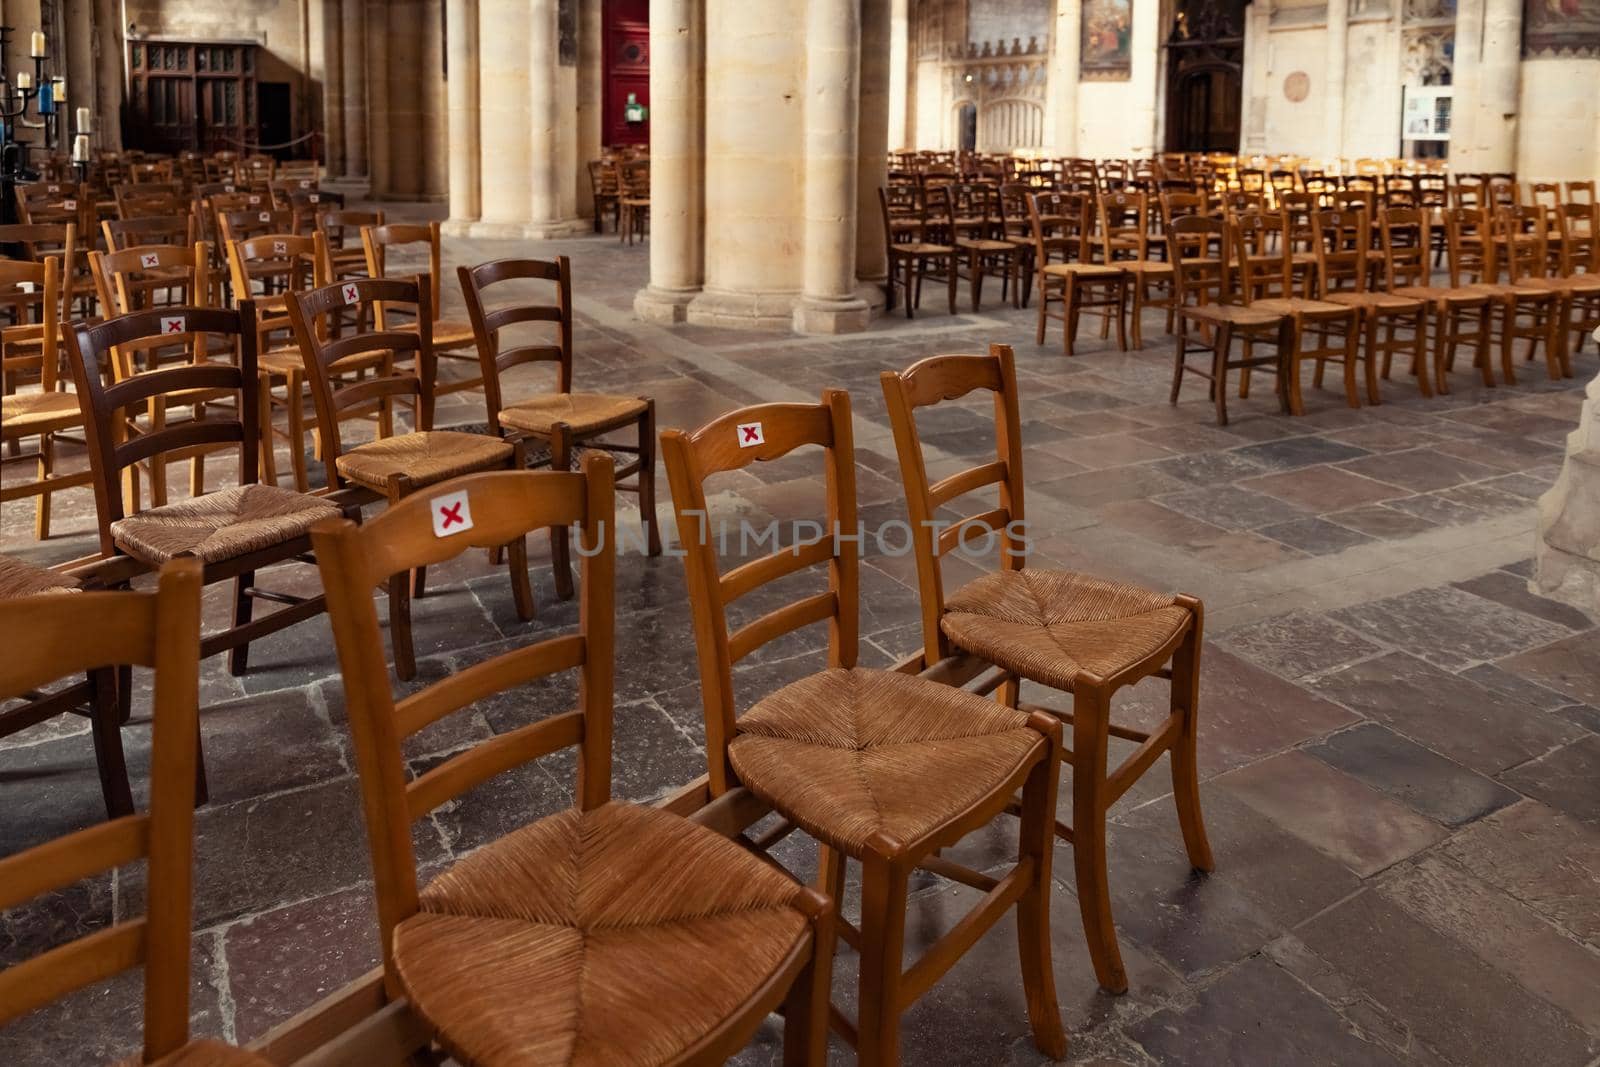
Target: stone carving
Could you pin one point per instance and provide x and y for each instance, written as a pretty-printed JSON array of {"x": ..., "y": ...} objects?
[
  {"x": 1565, "y": 28},
  {"x": 1428, "y": 56},
  {"x": 1568, "y": 552}
]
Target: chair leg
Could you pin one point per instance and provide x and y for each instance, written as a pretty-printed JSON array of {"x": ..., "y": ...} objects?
[
  {"x": 647, "y": 478},
  {"x": 1036, "y": 842},
  {"x": 521, "y": 590},
  {"x": 243, "y": 607},
  {"x": 104, "y": 722},
  {"x": 297, "y": 434},
  {"x": 1069, "y": 315},
  {"x": 1185, "y": 765},
  {"x": 269, "y": 459},
  {"x": 1044, "y": 302},
  {"x": 883, "y": 924},
  {"x": 405, "y": 659},
  {"x": 560, "y": 555},
  {"x": 41, "y": 503},
  {"x": 419, "y": 583},
  {"x": 950, "y": 281},
  {"x": 1181, "y": 337},
  {"x": 1090, "y": 705},
  {"x": 1219, "y": 370},
  {"x": 805, "y": 1013}
]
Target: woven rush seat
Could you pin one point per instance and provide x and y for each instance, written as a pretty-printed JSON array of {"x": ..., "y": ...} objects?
[
  {"x": 1144, "y": 266},
  {"x": 1234, "y": 314},
  {"x": 1441, "y": 297},
  {"x": 1573, "y": 283},
  {"x": 1050, "y": 626},
  {"x": 447, "y": 333},
  {"x": 619, "y": 935},
  {"x": 40, "y": 412},
  {"x": 978, "y": 244},
  {"x": 19, "y": 579},
  {"x": 1298, "y": 305},
  {"x": 847, "y": 753},
  {"x": 207, "y": 1053},
  {"x": 1066, "y": 270},
  {"x": 922, "y": 248},
  {"x": 1376, "y": 300},
  {"x": 424, "y": 457},
  {"x": 222, "y": 525},
  {"x": 581, "y": 412}
]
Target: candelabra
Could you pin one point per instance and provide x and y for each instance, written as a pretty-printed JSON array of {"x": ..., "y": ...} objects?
[{"x": 47, "y": 95}]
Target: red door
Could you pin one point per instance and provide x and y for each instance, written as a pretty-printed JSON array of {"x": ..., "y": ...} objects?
[{"x": 627, "y": 71}]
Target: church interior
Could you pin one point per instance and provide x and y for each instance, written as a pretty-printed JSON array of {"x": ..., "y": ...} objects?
[{"x": 944, "y": 532}]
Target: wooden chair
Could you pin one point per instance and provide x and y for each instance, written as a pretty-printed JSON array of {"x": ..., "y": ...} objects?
[
  {"x": 278, "y": 264},
  {"x": 695, "y": 941},
  {"x": 234, "y": 532},
  {"x": 1323, "y": 331},
  {"x": 94, "y": 697},
  {"x": 605, "y": 190},
  {"x": 910, "y": 253},
  {"x": 1342, "y": 271},
  {"x": 1124, "y": 241},
  {"x": 1061, "y": 263},
  {"x": 634, "y": 198},
  {"x": 1520, "y": 311},
  {"x": 253, "y": 222},
  {"x": 1580, "y": 192},
  {"x": 560, "y": 421},
  {"x": 50, "y": 636},
  {"x": 881, "y": 767},
  {"x": 966, "y": 218},
  {"x": 393, "y": 467},
  {"x": 1071, "y": 632},
  {"x": 1197, "y": 246},
  {"x": 120, "y": 234},
  {"x": 1017, "y": 229},
  {"x": 1578, "y": 295},
  {"x": 1460, "y": 316},
  {"x": 453, "y": 339},
  {"x": 341, "y": 229}
]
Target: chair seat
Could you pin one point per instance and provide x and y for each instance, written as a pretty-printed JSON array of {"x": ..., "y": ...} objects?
[
  {"x": 582, "y": 412},
  {"x": 19, "y": 578},
  {"x": 1233, "y": 314},
  {"x": 1374, "y": 300},
  {"x": 29, "y": 413},
  {"x": 1443, "y": 297},
  {"x": 220, "y": 526},
  {"x": 1514, "y": 292},
  {"x": 424, "y": 458},
  {"x": 1145, "y": 266},
  {"x": 1051, "y": 626},
  {"x": 974, "y": 244},
  {"x": 621, "y": 935},
  {"x": 447, "y": 333},
  {"x": 1301, "y": 307},
  {"x": 1574, "y": 283},
  {"x": 920, "y": 248},
  {"x": 1067, "y": 270},
  {"x": 850, "y": 753},
  {"x": 205, "y": 1052}
]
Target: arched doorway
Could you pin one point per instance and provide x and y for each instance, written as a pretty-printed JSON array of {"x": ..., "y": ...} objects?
[
  {"x": 1205, "y": 82},
  {"x": 967, "y": 127}
]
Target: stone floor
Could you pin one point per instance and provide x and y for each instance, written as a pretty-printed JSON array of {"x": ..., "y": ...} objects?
[{"x": 1400, "y": 743}]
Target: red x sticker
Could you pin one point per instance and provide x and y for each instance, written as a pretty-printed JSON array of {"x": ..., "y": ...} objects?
[
  {"x": 150, "y": 259},
  {"x": 750, "y": 435},
  {"x": 174, "y": 324},
  {"x": 255, "y": 198},
  {"x": 315, "y": 198},
  {"x": 305, "y": 183},
  {"x": 280, "y": 248},
  {"x": 352, "y": 295},
  {"x": 52, "y": 188},
  {"x": 70, "y": 205},
  {"x": 265, "y": 216},
  {"x": 452, "y": 514},
  {"x": 227, "y": 188}
]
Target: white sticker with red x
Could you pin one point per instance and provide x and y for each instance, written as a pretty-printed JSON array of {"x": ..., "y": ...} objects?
[
  {"x": 227, "y": 188},
  {"x": 70, "y": 205},
  {"x": 280, "y": 248},
  {"x": 315, "y": 198},
  {"x": 174, "y": 324},
  {"x": 150, "y": 259},
  {"x": 255, "y": 198},
  {"x": 305, "y": 183},
  {"x": 265, "y": 216},
  {"x": 352, "y": 295},
  {"x": 52, "y": 188},
  {"x": 452, "y": 514},
  {"x": 750, "y": 435}
]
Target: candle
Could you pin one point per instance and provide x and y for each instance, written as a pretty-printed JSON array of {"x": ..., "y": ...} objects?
[
  {"x": 80, "y": 148},
  {"x": 24, "y": 80},
  {"x": 61, "y": 91},
  {"x": 85, "y": 121},
  {"x": 36, "y": 49}
]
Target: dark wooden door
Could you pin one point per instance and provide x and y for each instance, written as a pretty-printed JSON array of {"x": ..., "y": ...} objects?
[
  {"x": 186, "y": 95},
  {"x": 626, "y": 30},
  {"x": 1205, "y": 59}
]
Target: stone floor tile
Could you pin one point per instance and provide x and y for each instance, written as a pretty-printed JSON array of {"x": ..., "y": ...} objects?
[
  {"x": 1209, "y": 468},
  {"x": 1382, "y": 521},
  {"x": 1320, "y": 490},
  {"x": 1420, "y": 469},
  {"x": 1293, "y": 453},
  {"x": 1513, "y": 592},
  {"x": 1423, "y": 780},
  {"x": 1448, "y": 626},
  {"x": 1298, "y": 644},
  {"x": 1232, "y": 508},
  {"x": 1567, "y": 779},
  {"x": 1108, "y": 486},
  {"x": 1570, "y": 666},
  {"x": 1316, "y": 537},
  {"x": 1332, "y": 811},
  {"x": 1098, "y": 453}
]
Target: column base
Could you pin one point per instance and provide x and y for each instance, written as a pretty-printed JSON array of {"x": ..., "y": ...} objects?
[
  {"x": 664, "y": 307},
  {"x": 351, "y": 187},
  {"x": 743, "y": 311},
  {"x": 843, "y": 315},
  {"x": 530, "y": 231},
  {"x": 457, "y": 227}
]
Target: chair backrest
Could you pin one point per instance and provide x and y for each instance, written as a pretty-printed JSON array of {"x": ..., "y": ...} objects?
[
  {"x": 377, "y": 240},
  {"x": 59, "y": 635},
  {"x": 151, "y": 230},
  {"x": 1519, "y": 232},
  {"x": 1060, "y": 227},
  {"x": 487, "y": 322},
  {"x": 140, "y": 205},
  {"x": 252, "y": 222},
  {"x": 1197, "y": 248},
  {"x": 1469, "y": 246},
  {"x": 39, "y": 241},
  {"x": 1177, "y": 205},
  {"x": 499, "y": 508},
  {"x": 343, "y": 227},
  {"x": 732, "y": 442},
  {"x": 1405, "y": 238},
  {"x": 106, "y": 407},
  {"x": 1124, "y": 225},
  {"x": 1341, "y": 240},
  {"x": 326, "y": 356},
  {"x": 1544, "y": 194},
  {"x": 122, "y": 276},
  {"x": 1262, "y": 254},
  {"x": 276, "y": 263},
  {"x": 633, "y": 176},
  {"x": 931, "y": 381},
  {"x": 31, "y": 291},
  {"x": 1580, "y": 237},
  {"x": 1581, "y": 192}
]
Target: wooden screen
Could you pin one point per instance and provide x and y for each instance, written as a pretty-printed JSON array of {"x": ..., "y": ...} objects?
[{"x": 191, "y": 95}]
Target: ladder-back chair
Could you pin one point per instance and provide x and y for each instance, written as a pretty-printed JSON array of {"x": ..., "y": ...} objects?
[
  {"x": 1061, "y": 228},
  {"x": 453, "y": 339}
]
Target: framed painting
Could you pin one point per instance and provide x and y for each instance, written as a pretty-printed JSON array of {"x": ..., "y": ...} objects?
[
  {"x": 1106, "y": 49},
  {"x": 1566, "y": 29}
]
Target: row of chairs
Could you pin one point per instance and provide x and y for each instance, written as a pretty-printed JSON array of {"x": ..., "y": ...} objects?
[{"x": 687, "y": 941}]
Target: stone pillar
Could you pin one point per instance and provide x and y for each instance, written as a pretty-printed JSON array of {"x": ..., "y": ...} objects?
[
  {"x": 548, "y": 209},
  {"x": 1333, "y": 91},
  {"x": 461, "y": 85},
  {"x": 381, "y": 102},
  {"x": 353, "y": 40},
  {"x": 1257, "y": 51},
  {"x": 434, "y": 174},
  {"x": 590, "y": 101},
  {"x": 872, "y": 170},
  {"x": 333, "y": 152},
  {"x": 899, "y": 74},
  {"x": 1147, "y": 53},
  {"x": 1061, "y": 103},
  {"x": 1486, "y": 78},
  {"x": 677, "y": 172},
  {"x": 503, "y": 124},
  {"x": 832, "y": 109},
  {"x": 111, "y": 45},
  {"x": 1567, "y": 555}
]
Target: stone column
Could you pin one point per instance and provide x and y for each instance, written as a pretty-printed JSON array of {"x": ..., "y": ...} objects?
[
  {"x": 872, "y": 169},
  {"x": 1257, "y": 49},
  {"x": 333, "y": 88},
  {"x": 551, "y": 100},
  {"x": 1567, "y": 554},
  {"x": 899, "y": 74},
  {"x": 1061, "y": 105},
  {"x": 434, "y": 174},
  {"x": 461, "y": 85},
  {"x": 503, "y": 77},
  {"x": 111, "y": 46},
  {"x": 590, "y": 97},
  {"x": 353, "y": 40},
  {"x": 677, "y": 160},
  {"x": 1338, "y": 42},
  {"x": 828, "y": 303},
  {"x": 381, "y": 109},
  {"x": 1486, "y": 78}
]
